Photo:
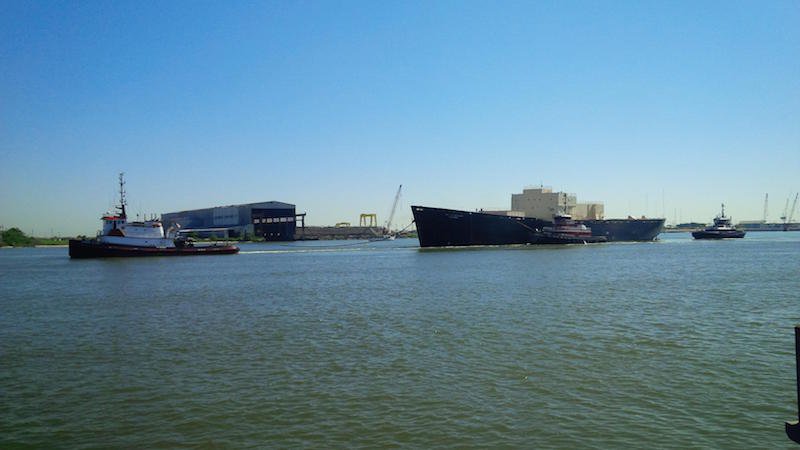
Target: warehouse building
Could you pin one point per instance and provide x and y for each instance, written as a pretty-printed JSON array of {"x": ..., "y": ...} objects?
[{"x": 273, "y": 221}]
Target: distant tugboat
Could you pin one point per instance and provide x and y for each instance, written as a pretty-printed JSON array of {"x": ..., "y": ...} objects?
[
  {"x": 722, "y": 229},
  {"x": 122, "y": 238},
  {"x": 567, "y": 231}
]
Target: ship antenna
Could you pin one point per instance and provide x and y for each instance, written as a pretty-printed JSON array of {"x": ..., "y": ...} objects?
[
  {"x": 723, "y": 210},
  {"x": 122, "y": 201}
]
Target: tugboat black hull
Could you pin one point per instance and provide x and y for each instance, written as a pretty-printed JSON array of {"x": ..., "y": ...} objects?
[
  {"x": 716, "y": 234},
  {"x": 439, "y": 227},
  {"x": 82, "y": 249},
  {"x": 722, "y": 229},
  {"x": 556, "y": 238}
]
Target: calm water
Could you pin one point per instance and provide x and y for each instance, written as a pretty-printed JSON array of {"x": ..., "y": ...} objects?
[{"x": 674, "y": 344}]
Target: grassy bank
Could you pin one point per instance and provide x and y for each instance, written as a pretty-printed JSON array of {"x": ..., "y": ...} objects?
[{"x": 14, "y": 237}]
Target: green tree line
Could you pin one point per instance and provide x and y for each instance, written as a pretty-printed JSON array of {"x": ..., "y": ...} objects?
[{"x": 16, "y": 238}]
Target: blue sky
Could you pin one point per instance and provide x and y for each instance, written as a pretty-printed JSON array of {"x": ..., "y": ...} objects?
[{"x": 650, "y": 107}]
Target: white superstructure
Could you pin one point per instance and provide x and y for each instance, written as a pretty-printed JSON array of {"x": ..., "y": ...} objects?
[
  {"x": 722, "y": 222},
  {"x": 118, "y": 231}
]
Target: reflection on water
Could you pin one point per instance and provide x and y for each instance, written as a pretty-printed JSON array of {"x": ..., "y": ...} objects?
[{"x": 673, "y": 344}]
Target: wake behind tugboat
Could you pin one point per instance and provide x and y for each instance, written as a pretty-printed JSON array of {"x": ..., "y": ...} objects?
[{"x": 146, "y": 238}]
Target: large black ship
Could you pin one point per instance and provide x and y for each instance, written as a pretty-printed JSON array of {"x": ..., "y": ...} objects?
[{"x": 439, "y": 227}]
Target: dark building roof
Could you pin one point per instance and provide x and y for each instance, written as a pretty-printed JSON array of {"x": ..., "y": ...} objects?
[
  {"x": 269, "y": 205},
  {"x": 260, "y": 205}
]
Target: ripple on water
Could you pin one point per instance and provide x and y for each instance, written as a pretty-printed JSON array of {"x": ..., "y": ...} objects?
[{"x": 615, "y": 346}]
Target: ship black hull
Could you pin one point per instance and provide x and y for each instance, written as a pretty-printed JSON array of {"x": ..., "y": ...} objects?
[
  {"x": 718, "y": 234},
  {"x": 438, "y": 227},
  {"x": 626, "y": 230},
  {"x": 82, "y": 249}
]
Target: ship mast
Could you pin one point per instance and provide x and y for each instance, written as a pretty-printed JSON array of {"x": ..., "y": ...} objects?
[{"x": 122, "y": 201}]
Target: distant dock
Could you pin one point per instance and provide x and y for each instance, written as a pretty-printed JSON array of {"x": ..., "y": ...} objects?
[
  {"x": 342, "y": 233},
  {"x": 331, "y": 233}
]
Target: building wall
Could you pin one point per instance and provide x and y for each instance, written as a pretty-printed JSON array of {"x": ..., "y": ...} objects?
[
  {"x": 542, "y": 203},
  {"x": 274, "y": 224},
  {"x": 198, "y": 218},
  {"x": 588, "y": 211},
  {"x": 226, "y": 216},
  {"x": 270, "y": 220}
]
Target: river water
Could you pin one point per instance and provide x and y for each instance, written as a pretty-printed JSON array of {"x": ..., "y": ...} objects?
[{"x": 672, "y": 344}]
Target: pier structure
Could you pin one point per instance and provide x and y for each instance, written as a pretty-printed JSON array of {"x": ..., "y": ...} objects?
[{"x": 368, "y": 220}]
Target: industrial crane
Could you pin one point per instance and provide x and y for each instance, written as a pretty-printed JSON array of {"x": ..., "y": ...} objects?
[
  {"x": 391, "y": 214},
  {"x": 787, "y": 219},
  {"x": 785, "y": 210}
]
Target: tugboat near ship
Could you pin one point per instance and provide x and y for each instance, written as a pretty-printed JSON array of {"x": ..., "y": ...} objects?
[
  {"x": 722, "y": 229},
  {"x": 567, "y": 231},
  {"x": 532, "y": 219},
  {"x": 139, "y": 238}
]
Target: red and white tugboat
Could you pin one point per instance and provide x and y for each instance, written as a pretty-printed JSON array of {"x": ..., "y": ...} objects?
[
  {"x": 567, "y": 231},
  {"x": 146, "y": 238}
]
